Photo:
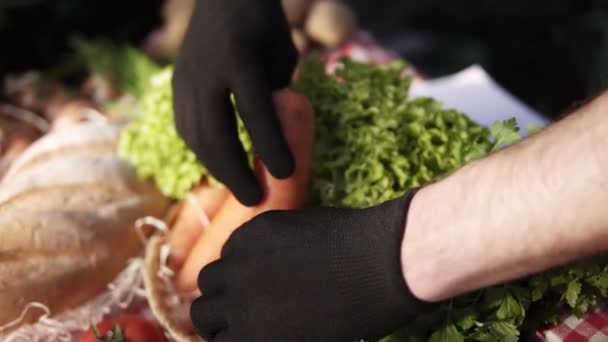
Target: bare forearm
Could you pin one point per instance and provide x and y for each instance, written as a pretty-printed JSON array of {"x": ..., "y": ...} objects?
[{"x": 538, "y": 204}]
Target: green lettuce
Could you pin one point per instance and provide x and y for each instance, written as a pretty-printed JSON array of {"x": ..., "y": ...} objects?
[
  {"x": 123, "y": 65},
  {"x": 373, "y": 142},
  {"x": 152, "y": 144}
]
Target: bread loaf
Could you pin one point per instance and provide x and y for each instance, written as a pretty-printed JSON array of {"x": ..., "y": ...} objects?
[{"x": 67, "y": 209}]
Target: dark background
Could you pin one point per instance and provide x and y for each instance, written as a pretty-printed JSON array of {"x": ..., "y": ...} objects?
[{"x": 550, "y": 53}]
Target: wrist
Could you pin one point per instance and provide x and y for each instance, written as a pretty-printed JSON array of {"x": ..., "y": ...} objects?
[
  {"x": 424, "y": 248},
  {"x": 512, "y": 214},
  {"x": 474, "y": 228},
  {"x": 457, "y": 226}
]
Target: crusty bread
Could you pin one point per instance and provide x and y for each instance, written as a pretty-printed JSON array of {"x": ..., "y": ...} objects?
[
  {"x": 67, "y": 213},
  {"x": 88, "y": 136},
  {"x": 71, "y": 170}
]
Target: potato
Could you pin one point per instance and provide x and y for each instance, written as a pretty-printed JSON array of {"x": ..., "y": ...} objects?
[
  {"x": 330, "y": 23},
  {"x": 296, "y": 11}
]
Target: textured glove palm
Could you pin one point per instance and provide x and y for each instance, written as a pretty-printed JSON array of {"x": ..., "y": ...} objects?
[
  {"x": 242, "y": 47},
  {"x": 310, "y": 275}
]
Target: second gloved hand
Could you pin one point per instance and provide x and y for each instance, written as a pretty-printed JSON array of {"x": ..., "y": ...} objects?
[
  {"x": 242, "y": 47},
  {"x": 309, "y": 275}
]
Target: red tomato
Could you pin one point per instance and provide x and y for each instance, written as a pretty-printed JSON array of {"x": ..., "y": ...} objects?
[{"x": 133, "y": 328}]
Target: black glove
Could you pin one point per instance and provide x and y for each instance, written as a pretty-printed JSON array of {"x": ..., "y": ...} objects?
[
  {"x": 243, "y": 47},
  {"x": 312, "y": 275}
]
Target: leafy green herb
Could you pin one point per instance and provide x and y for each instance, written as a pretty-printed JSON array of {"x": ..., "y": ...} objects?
[
  {"x": 533, "y": 129},
  {"x": 373, "y": 142},
  {"x": 510, "y": 309},
  {"x": 496, "y": 332},
  {"x": 600, "y": 282},
  {"x": 539, "y": 287},
  {"x": 114, "y": 335},
  {"x": 573, "y": 292},
  {"x": 124, "y": 66},
  {"x": 505, "y": 133},
  {"x": 466, "y": 319},
  {"x": 449, "y": 333}
]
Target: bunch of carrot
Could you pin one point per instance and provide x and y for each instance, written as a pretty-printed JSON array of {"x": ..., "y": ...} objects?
[{"x": 206, "y": 220}]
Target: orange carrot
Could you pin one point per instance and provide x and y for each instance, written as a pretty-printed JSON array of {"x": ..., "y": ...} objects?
[
  {"x": 297, "y": 120},
  {"x": 193, "y": 217}
]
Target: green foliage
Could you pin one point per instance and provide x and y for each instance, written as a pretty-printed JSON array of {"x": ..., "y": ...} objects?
[
  {"x": 124, "y": 66},
  {"x": 114, "y": 335},
  {"x": 448, "y": 333},
  {"x": 154, "y": 147},
  {"x": 373, "y": 143}
]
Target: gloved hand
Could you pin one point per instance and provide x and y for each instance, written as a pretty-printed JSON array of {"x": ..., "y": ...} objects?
[
  {"x": 242, "y": 47},
  {"x": 310, "y": 275}
]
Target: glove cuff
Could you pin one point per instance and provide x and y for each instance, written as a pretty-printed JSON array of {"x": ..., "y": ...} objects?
[{"x": 406, "y": 304}]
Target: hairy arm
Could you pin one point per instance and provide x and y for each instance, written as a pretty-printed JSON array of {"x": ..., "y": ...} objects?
[{"x": 538, "y": 204}]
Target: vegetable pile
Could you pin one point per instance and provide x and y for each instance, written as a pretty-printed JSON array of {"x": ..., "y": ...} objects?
[{"x": 373, "y": 143}]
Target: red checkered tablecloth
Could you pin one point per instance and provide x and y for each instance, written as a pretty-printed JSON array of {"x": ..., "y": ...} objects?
[
  {"x": 362, "y": 48},
  {"x": 365, "y": 49},
  {"x": 593, "y": 327}
]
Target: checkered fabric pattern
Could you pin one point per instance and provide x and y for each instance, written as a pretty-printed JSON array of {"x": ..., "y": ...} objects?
[
  {"x": 362, "y": 47},
  {"x": 591, "y": 328}
]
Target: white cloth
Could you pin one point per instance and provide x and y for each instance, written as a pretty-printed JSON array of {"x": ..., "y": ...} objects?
[{"x": 474, "y": 92}]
